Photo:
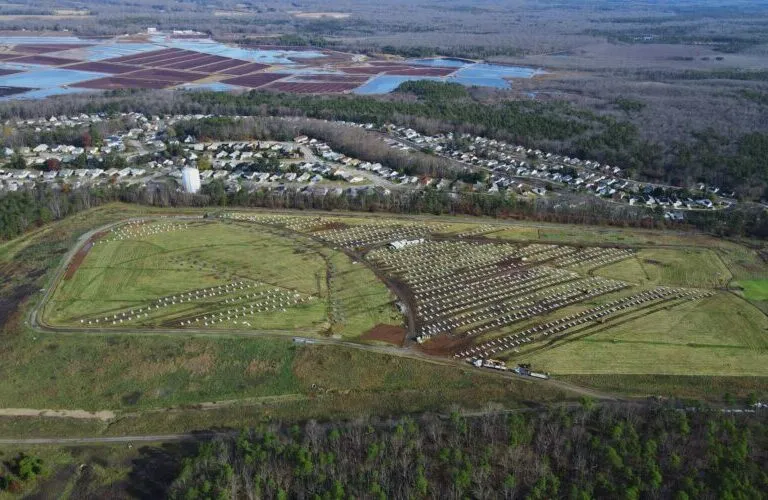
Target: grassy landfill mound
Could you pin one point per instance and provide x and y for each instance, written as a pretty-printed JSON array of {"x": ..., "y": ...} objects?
[{"x": 157, "y": 371}]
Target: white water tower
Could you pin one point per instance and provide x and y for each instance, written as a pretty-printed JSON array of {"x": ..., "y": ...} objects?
[{"x": 190, "y": 179}]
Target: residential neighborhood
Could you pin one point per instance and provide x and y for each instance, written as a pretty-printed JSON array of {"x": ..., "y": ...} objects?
[{"x": 146, "y": 150}]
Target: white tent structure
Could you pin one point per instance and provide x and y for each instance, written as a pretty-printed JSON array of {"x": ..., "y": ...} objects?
[{"x": 190, "y": 179}]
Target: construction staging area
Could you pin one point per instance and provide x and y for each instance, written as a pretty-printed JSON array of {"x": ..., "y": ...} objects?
[{"x": 453, "y": 289}]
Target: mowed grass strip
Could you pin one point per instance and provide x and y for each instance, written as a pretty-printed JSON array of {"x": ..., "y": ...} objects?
[
  {"x": 755, "y": 289},
  {"x": 695, "y": 268},
  {"x": 722, "y": 335}
]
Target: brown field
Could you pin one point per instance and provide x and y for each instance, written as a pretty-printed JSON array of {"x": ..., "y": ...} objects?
[
  {"x": 221, "y": 67},
  {"x": 41, "y": 17},
  {"x": 104, "y": 67},
  {"x": 118, "y": 82},
  {"x": 386, "y": 333},
  {"x": 232, "y": 13},
  {"x": 201, "y": 60},
  {"x": 248, "y": 68},
  {"x": 332, "y": 78},
  {"x": 45, "y": 60},
  {"x": 174, "y": 59},
  {"x": 320, "y": 15},
  {"x": 444, "y": 345},
  {"x": 166, "y": 75},
  {"x": 136, "y": 57},
  {"x": 255, "y": 80},
  {"x": 167, "y": 58},
  {"x": 312, "y": 87},
  {"x": 36, "y": 48}
]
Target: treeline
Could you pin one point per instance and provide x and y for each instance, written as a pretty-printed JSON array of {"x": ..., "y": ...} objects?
[
  {"x": 77, "y": 135},
  {"x": 462, "y": 51},
  {"x": 581, "y": 453},
  {"x": 24, "y": 210},
  {"x": 432, "y": 90}
]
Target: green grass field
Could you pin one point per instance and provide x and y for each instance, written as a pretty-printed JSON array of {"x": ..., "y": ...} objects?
[
  {"x": 721, "y": 338},
  {"x": 721, "y": 335},
  {"x": 697, "y": 268},
  {"x": 755, "y": 289},
  {"x": 129, "y": 274}
]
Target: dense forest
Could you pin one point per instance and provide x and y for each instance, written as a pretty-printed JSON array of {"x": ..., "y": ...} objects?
[
  {"x": 557, "y": 127},
  {"x": 628, "y": 452}
]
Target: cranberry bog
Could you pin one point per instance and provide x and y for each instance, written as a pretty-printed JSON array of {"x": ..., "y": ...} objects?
[
  {"x": 172, "y": 61},
  {"x": 256, "y": 80},
  {"x": 313, "y": 87}
]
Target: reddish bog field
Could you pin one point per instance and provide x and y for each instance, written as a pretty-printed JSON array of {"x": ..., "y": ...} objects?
[
  {"x": 386, "y": 333},
  {"x": 248, "y": 68},
  {"x": 45, "y": 60},
  {"x": 365, "y": 70},
  {"x": 104, "y": 67},
  {"x": 255, "y": 80},
  {"x": 359, "y": 79},
  {"x": 33, "y": 48},
  {"x": 229, "y": 67},
  {"x": 200, "y": 60},
  {"x": 312, "y": 87},
  {"x": 119, "y": 82},
  {"x": 143, "y": 55},
  {"x": 166, "y": 75},
  {"x": 166, "y": 62},
  {"x": 158, "y": 59}
]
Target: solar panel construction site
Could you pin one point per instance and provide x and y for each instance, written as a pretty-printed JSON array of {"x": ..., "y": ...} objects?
[{"x": 460, "y": 291}]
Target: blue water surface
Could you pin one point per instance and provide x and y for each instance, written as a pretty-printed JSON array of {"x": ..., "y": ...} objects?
[
  {"x": 43, "y": 40},
  {"x": 215, "y": 86},
  {"x": 469, "y": 74},
  {"x": 256, "y": 55},
  {"x": 110, "y": 50},
  {"x": 43, "y": 93},
  {"x": 444, "y": 62},
  {"x": 387, "y": 83},
  {"x": 483, "y": 70},
  {"x": 47, "y": 78}
]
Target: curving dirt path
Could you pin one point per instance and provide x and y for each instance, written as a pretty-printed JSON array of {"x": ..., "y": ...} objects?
[{"x": 103, "y": 415}]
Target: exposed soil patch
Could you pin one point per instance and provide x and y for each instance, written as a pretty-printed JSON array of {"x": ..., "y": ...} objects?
[
  {"x": 510, "y": 262},
  {"x": 78, "y": 414},
  {"x": 444, "y": 345},
  {"x": 329, "y": 225},
  {"x": 386, "y": 333},
  {"x": 79, "y": 257}
]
